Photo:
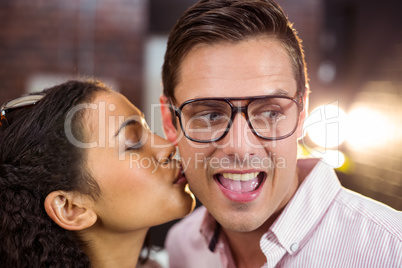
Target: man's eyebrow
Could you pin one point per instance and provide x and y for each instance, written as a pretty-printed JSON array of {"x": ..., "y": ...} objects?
[
  {"x": 125, "y": 124},
  {"x": 279, "y": 92}
]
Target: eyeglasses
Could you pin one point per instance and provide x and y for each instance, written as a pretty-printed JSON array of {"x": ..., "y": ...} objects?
[
  {"x": 7, "y": 109},
  {"x": 269, "y": 117}
]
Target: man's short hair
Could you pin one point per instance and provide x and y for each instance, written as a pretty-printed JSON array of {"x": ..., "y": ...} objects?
[{"x": 231, "y": 21}]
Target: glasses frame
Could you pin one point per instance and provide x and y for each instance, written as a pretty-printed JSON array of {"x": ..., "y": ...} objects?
[
  {"x": 243, "y": 110},
  {"x": 6, "y": 108}
]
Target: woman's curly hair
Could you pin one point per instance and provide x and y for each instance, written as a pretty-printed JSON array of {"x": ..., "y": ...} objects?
[{"x": 37, "y": 158}]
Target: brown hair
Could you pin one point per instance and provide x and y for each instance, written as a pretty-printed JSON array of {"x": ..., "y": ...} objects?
[{"x": 214, "y": 21}]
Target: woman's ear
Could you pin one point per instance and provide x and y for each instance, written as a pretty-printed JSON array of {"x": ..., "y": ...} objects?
[
  {"x": 168, "y": 127},
  {"x": 70, "y": 210}
]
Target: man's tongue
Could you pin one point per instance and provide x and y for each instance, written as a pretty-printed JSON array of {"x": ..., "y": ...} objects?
[{"x": 238, "y": 185}]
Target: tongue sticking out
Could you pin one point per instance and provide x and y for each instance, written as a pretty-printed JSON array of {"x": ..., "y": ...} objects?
[{"x": 238, "y": 185}]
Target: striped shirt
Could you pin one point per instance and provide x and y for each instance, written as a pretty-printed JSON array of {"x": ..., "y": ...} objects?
[{"x": 324, "y": 225}]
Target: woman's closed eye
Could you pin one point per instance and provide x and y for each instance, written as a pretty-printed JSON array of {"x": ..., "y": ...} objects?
[
  {"x": 133, "y": 146},
  {"x": 136, "y": 137},
  {"x": 134, "y": 134}
]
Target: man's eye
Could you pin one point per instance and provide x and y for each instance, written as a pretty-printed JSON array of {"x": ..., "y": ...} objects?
[
  {"x": 272, "y": 114},
  {"x": 215, "y": 116},
  {"x": 211, "y": 116}
]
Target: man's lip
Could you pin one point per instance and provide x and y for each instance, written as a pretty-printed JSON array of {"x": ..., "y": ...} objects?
[
  {"x": 234, "y": 171},
  {"x": 241, "y": 197}
]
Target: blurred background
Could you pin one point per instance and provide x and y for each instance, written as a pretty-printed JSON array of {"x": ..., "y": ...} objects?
[{"x": 353, "y": 53}]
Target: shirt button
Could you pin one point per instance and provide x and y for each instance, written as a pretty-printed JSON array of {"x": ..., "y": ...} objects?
[{"x": 294, "y": 247}]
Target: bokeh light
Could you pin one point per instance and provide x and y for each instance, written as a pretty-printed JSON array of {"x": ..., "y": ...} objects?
[
  {"x": 368, "y": 128},
  {"x": 334, "y": 158},
  {"x": 326, "y": 126}
]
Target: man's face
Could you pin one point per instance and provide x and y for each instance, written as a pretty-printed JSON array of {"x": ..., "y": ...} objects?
[{"x": 268, "y": 179}]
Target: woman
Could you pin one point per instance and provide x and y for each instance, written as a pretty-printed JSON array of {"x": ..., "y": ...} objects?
[{"x": 82, "y": 179}]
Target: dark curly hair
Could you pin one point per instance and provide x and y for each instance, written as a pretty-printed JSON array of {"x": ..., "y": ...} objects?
[{"x": 36, "y": 158}]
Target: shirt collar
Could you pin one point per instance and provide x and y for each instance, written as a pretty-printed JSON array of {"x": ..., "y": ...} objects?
[
  {"x": 309, "y": 204},
  {"x": 210, "y": 230}
]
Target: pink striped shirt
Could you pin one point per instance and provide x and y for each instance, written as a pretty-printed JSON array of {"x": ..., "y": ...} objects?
[{"x": 324, "y": 225}]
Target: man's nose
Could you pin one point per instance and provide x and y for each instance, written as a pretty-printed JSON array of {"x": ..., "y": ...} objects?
[{"x": 240, "y": 139}]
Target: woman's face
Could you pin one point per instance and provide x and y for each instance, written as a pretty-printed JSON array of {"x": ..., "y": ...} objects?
[{"x": 141, "y": 185}]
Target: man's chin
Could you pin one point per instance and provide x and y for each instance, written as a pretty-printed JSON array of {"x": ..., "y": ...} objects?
[{"x": 240, "y": 223}]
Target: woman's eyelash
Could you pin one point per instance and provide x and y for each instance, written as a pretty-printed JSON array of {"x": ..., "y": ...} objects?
[{"x": 133, "y": 147}]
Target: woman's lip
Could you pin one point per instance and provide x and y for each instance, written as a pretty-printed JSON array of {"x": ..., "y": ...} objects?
[{"x": 180, "y": 178}]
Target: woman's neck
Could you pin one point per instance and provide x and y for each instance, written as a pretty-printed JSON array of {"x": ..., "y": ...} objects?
[{"x": 113, "y": 249}]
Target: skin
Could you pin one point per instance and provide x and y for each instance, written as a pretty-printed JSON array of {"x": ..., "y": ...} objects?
[
  {"x": 140, "y": 187},
  {"x": 254, "y": 67}
]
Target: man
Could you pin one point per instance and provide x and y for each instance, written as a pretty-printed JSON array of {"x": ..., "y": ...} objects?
[{"x": 235, "y": 97}]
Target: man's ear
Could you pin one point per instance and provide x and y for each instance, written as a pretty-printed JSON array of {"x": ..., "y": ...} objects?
[
  {"x": 169, "y": 128},
  {"x": 303, "y": 115},
  {"x": 70, "y": 210}
]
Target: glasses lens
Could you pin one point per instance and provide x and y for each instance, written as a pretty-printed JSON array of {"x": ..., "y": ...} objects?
[
  {"x": 273, "y": 117},
  {"x": 208, "y": 120},
  {"x": 205, "y": 120}
]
